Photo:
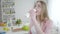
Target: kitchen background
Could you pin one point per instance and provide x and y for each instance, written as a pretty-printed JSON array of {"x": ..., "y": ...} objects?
[{"x": 22, "y": 8}]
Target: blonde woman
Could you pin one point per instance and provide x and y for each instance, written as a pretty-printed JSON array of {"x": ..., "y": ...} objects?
[{"x": 40, "y": 22}]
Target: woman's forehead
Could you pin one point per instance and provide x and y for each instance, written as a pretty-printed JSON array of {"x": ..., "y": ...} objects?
[{"x": 38, "y": 3}]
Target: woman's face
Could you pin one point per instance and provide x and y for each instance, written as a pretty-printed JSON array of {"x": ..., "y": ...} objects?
[{"x": 38, "y": 8}]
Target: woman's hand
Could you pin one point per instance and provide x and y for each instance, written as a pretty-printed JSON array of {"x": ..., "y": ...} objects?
[
  {"x": 33, "y": 14},
  {"x": 32, "y": 17}
]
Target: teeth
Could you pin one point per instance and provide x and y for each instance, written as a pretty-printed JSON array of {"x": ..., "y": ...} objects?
[{"x": 34, "y": 10}]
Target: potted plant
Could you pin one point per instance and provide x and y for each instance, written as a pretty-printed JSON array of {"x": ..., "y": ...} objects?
[{"x": 18, "y": 22}]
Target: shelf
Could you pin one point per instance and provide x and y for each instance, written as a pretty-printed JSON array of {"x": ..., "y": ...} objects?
[
  {"x": 7, "y": 9},
  {"x": 8, "y": 0},
  {"x": 8, "y": 14}
]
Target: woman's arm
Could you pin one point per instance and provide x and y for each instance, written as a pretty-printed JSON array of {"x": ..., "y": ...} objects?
[
  {"x": 37, "y": 27},
  {"x": 48, "y": 26},
  {"x": 35, "y": 23}
]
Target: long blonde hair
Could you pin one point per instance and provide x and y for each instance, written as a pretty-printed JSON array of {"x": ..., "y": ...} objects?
[{"x": 44, "y": 9}]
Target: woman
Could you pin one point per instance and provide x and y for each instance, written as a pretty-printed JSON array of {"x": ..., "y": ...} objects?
[{"x": 40, "y": 22}]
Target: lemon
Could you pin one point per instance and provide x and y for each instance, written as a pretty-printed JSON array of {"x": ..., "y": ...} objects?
[{"x": 6, "y": 29}]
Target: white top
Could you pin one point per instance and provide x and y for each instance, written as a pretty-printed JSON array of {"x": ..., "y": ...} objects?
[
  {"x": 53, "y": 30},
  {"x": 33, "y": 30}
]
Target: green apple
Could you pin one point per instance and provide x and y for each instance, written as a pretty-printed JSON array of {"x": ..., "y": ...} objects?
[{"x": 26, "y": 28}]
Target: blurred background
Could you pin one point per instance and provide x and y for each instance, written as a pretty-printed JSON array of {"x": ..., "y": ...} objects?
[{"x": 22, "y": 8}]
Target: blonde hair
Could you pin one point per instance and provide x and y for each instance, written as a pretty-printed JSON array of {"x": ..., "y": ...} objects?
[{"x": 44, "y": 9}]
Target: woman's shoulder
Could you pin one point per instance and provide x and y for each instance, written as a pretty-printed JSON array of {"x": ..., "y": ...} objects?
[{"x": 49, "y": 22}]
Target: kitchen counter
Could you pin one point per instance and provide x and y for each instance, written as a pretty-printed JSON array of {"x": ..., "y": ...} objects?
[{"x": 10, "y": 31}]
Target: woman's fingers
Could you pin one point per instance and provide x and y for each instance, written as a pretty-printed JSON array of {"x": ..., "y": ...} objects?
[
  {"x": 32, "y": 11},
  {"x": 32, "y": 14}
]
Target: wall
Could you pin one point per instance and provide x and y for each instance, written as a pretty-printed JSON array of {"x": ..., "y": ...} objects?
[
  {"x": 54, "y": 11},
  {"x": 22, "y": 7}
]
